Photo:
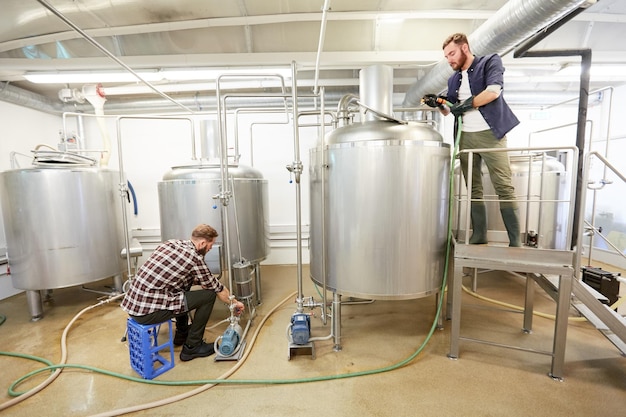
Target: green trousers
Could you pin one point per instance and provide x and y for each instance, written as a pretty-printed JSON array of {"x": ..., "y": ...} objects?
[{"x": 497, "y": 164}]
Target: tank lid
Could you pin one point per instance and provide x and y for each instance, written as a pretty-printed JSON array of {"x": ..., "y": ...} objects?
[{"x": 61, "y": 158}]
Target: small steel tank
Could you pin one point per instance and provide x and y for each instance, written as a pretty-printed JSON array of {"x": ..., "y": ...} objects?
[
  {"x": 186, "y": 200},
  {"x": 63, "y": 226}
]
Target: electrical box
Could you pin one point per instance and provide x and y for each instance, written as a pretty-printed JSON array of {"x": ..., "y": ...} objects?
[{"x": 604, "y": 282}]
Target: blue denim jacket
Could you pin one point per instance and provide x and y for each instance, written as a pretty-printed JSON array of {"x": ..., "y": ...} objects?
[{"x": 484, "y": 71}]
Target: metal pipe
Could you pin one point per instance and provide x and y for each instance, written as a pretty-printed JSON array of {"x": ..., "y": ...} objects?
[
  {"x": 286, "y": 122},
  {"x": 282, "y": 83},
  {"x": 606, "y": 154},
  {"x": 296, "y": 169},
  {"x": 123, "y": 190},
  {"x": 320, "y": 45},
  {"x": 336, "y": 324},
  {"x": 123, "y": 185},
  {"x": 224, "y": 195},
  {"x": 325, "y": 277},
  {"x": 81, "y": 132},
  {"x": 322, "y": 168},
  {"x": 342, "y": 107}
]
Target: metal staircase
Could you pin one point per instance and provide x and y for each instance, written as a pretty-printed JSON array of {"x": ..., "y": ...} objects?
[{"x": 591, "y": 304}]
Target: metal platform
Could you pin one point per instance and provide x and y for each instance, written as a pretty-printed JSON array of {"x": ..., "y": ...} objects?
[{"x": 532, "y": 262}]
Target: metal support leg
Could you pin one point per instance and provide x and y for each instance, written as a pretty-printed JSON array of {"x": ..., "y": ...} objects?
[
  {"x": 118, "y": 284},
  {"x": 257, "y": 277},
  {"x": 439, "y": 300},
  {"x": 336, "y": 323},
  {"x": 35, "y": 304},
  {"x": 450, "y": 279},
  {"x": 560, "y": 326},
  {"x": 455, "y": 330},
  {"x": 529, "y": 305},
  {"x": 474, "y": 279}
]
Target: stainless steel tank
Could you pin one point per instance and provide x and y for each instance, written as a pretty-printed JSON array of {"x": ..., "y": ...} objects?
[
  {"x": 186, "y": 200},
  {"x": 379, "y": 209},
  {"x": 63, "y": 225},
  {"x": 544, "y": 182}
]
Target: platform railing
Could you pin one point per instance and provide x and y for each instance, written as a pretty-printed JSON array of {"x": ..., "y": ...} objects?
[
  {"x": 464, "y": 200},
  {"x": 587, "y": 227}
]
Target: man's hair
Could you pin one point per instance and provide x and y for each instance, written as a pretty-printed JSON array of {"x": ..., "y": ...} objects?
[
  {"x": 457, "y": 38},
  {"x": 204, "y": 231}
]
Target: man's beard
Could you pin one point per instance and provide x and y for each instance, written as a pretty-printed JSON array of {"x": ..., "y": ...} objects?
[{"x": 461, "y": 62}]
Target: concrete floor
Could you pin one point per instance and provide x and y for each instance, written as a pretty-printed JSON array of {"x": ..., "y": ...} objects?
[{"x": 485, "y": 381}]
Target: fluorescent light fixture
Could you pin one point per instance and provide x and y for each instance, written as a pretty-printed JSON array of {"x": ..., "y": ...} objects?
[
  {"x": 181, "y": 74},
  {"x": 86, "y": 77}
]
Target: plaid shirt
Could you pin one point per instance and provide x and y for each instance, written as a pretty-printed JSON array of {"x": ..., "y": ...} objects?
[{"x": 162, "y": 280}]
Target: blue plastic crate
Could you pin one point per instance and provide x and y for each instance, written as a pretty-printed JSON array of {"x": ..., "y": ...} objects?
[{"x": 147, "y": 357}]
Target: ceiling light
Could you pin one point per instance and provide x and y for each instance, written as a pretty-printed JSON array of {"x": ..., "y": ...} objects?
[{"x": 174, "y": 74}]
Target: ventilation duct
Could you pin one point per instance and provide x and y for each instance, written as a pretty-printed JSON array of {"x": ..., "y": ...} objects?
[
  {"x": 516, "y": 21},
  {"x": 21, "y": 97}
]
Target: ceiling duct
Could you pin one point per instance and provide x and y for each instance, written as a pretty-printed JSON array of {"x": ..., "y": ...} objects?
[
  {"x": 515, "y": 22},
  {"x": 21, "y": 97}
]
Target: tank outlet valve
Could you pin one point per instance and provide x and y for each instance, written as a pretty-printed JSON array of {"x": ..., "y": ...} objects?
[
  {"x": 300, "y": 328},
  {"x": 230, "y": 340}
]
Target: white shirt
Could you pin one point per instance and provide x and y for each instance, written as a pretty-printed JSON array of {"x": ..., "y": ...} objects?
[{"x": 473, "y": 121}]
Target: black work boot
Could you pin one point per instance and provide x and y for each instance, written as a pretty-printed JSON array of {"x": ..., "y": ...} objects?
[{"x": 202, "y": 350}]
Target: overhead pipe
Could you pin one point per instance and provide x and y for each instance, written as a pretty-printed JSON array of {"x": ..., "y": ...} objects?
[
  {"x": 515, "y": 22},
  {"x": 24, "y": 98},
  {"x": 20, "y": 97},
  {"x": 320, "y": 45}
]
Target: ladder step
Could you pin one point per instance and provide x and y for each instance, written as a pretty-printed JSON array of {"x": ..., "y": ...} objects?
[{"x": 591, "y": 308}]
